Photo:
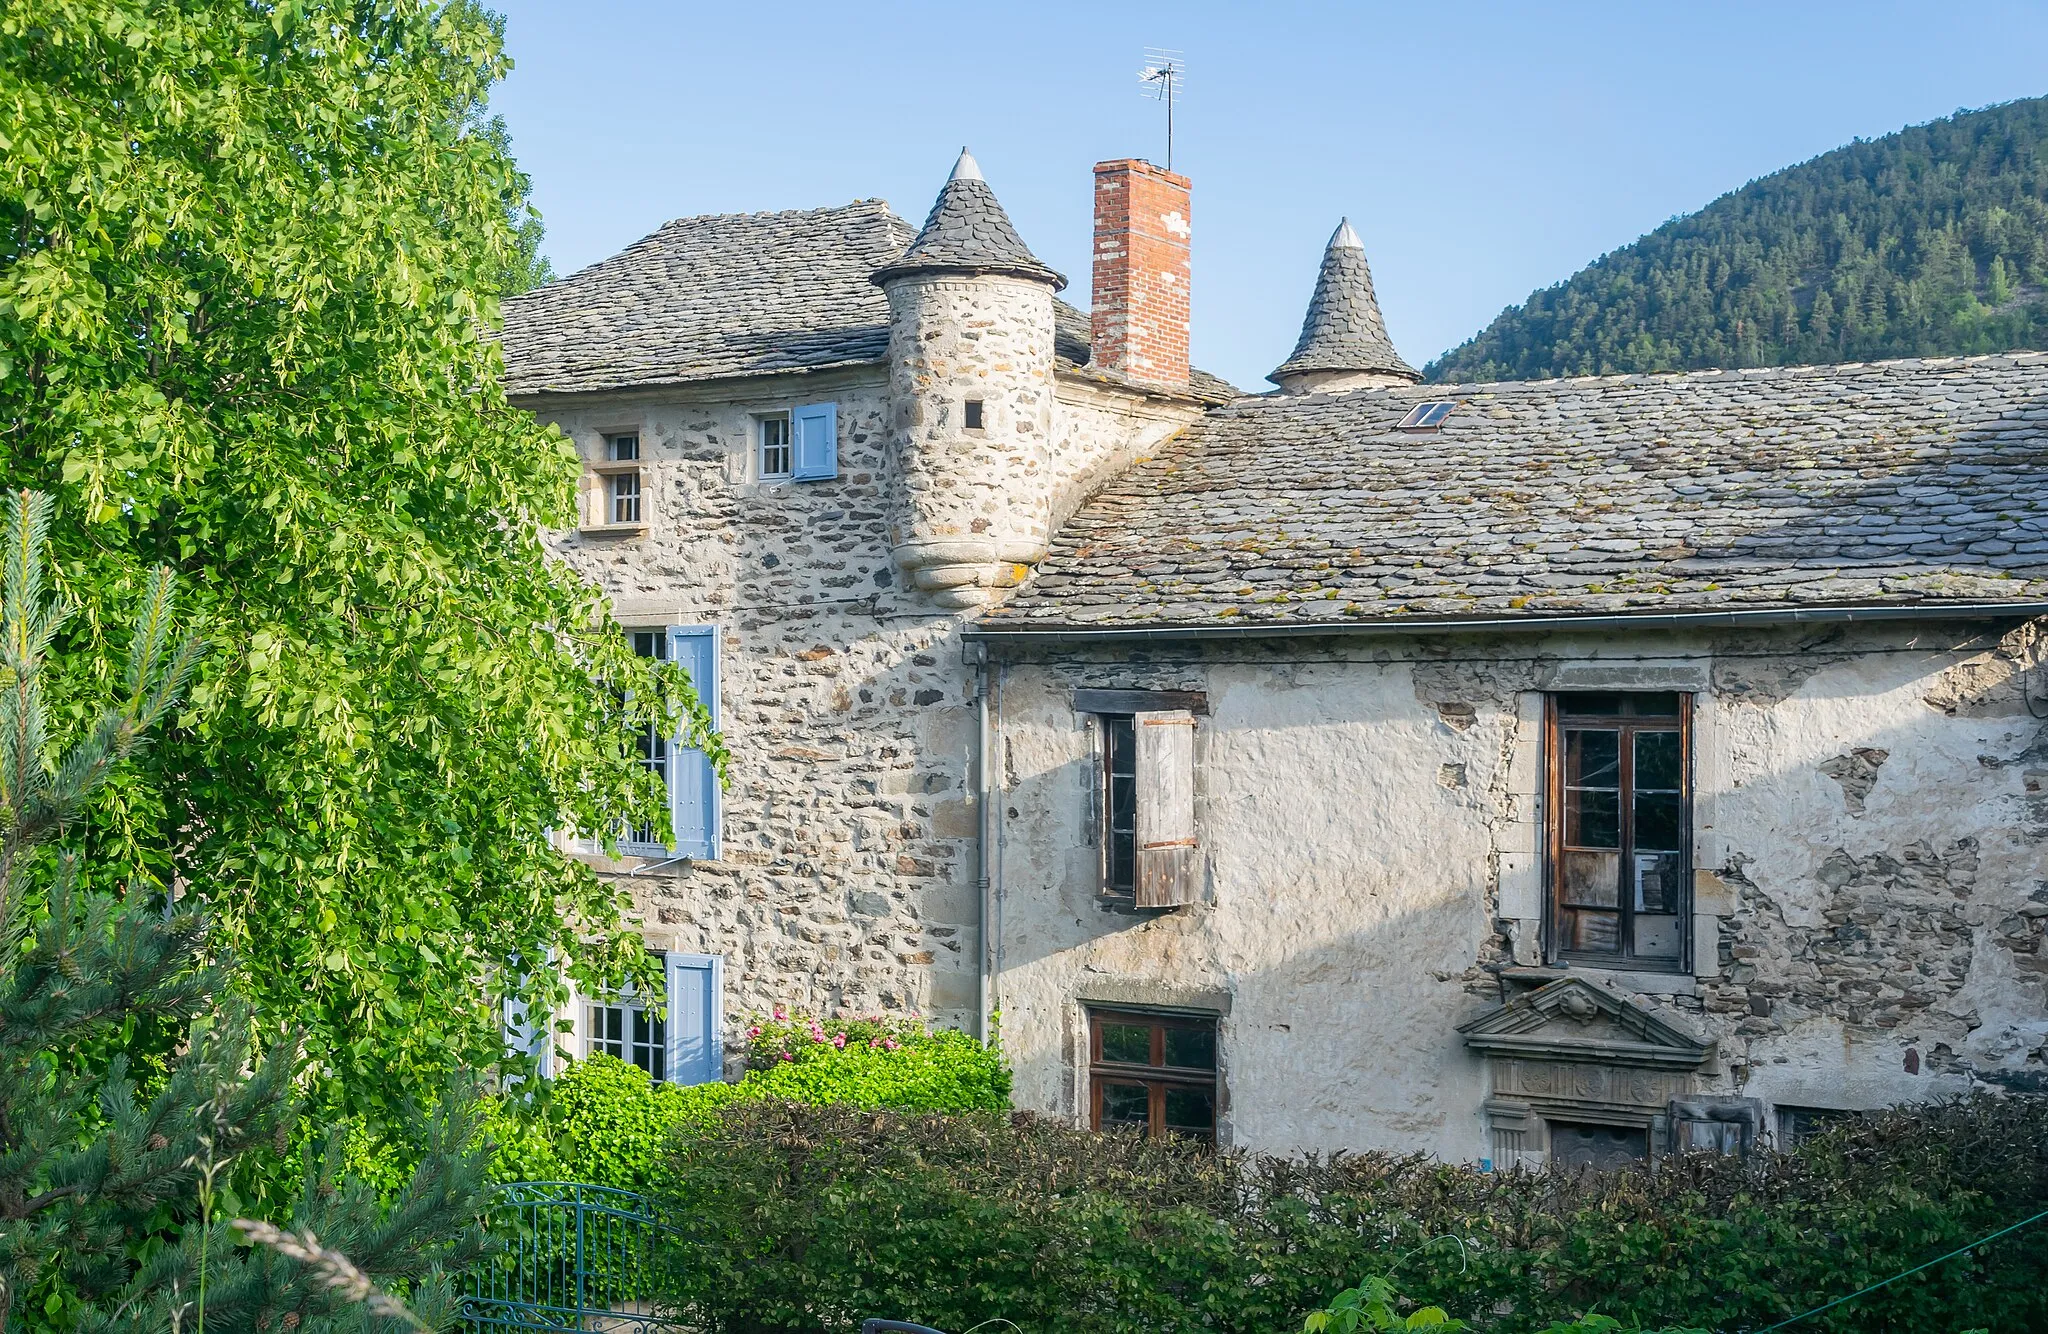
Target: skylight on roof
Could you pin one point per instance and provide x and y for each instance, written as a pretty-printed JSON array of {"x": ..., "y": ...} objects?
[{"x": 1426, "y": 417}]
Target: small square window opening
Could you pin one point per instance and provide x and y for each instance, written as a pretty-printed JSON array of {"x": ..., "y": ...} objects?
[
  {"x": 974, "y": 414},
  {"x": 777, "y": 461},
  {"x": 623, "y": 448},
  {"x": 1153, "y": 1073}
]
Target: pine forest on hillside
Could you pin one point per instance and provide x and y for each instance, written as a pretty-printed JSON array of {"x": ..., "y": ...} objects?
[{"x": 1929, "y": 242}]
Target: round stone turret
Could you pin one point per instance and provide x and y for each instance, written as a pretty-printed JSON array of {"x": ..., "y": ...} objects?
[
  {"x": 1344, "y": 343},
  {"x": 971, "y": 390}
]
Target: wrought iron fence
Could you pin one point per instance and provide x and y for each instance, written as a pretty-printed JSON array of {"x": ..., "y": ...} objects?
[{"x": 570, "y": 1257}]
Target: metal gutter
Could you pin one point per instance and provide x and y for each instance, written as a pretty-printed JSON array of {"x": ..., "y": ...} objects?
[{"x": 1412, "y": 626}]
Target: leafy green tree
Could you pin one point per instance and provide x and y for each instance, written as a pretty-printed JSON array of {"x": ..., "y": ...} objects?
[
  {"x": 1929, "y": 242},
  {"x": 107, "y": 1189},
  {"x": 250, "y": 252}
]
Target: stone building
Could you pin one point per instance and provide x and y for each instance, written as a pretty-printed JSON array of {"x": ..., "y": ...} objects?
[{"x": 1586, "y": 768}]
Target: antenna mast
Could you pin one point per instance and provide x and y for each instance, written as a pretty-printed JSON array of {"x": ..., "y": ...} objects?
[{"x": 1162, "y": 78}]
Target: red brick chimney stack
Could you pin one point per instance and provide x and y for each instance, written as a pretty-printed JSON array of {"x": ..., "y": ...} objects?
[{"x": 1139, "y": 327}]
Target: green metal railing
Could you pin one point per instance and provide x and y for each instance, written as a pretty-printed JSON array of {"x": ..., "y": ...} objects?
[{"x": 570, "y": 1256}]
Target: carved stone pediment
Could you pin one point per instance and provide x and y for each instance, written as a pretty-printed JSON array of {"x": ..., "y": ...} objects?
[{"x": 1573, "y": 1020}]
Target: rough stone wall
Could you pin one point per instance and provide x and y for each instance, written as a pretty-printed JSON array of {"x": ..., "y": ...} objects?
[
  {"x": 1871, "y": 882},
  {"x": 1097, "y": 433},
  {"x": 971, "y": 503},
  {"x": 847, "y": 876}
]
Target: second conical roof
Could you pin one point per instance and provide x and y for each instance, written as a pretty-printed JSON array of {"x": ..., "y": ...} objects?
[
  {"x": 1344, "y": 330},
  {"x": 968, "y": 232}
]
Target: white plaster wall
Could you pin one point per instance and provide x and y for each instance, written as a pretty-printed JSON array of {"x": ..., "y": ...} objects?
[{"x": 1370, "y": 824}]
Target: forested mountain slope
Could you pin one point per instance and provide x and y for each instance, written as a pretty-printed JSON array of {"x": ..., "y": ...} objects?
[{"x": 1932, "y": 241}]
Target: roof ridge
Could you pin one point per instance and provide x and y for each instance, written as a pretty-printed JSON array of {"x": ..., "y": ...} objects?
[{"x": 2018, "y": 355}]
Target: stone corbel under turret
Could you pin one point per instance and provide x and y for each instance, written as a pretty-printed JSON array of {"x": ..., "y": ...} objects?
[{"x": 963, "y": 573}]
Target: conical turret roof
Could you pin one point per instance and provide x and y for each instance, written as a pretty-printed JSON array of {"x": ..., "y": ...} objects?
[
  {"x": 968, "y": 232},
  {"x": 1344, "y": 330}
]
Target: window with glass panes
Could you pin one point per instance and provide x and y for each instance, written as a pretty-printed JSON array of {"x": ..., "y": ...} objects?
[
  {"x": 1152, "y": 1072},
  {"x": 653, "y": 745},
  {"x": 624, "y": 1028},
  {"x": 623, "y": 486},
  {"x": 1119, "y": 804},
  {"x": 777, "y": 461},
  {"x": 1620, "y": 828}
]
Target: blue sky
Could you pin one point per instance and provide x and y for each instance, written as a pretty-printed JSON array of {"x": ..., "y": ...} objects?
[{"x": 1482, "y": 151}]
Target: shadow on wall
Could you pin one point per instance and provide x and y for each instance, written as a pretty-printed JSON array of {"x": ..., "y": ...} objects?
[{"x": 1884, "y": 844}]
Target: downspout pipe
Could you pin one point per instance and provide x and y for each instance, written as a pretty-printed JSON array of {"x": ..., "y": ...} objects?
[{"x": 985, "y": 847}]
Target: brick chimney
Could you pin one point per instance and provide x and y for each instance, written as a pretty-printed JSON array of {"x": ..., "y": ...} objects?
[{"x": 1139, "y": 327}]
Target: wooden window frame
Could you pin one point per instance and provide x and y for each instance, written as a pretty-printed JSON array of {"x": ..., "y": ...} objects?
[
  {"x": 1554, "y": 722},
  {"x": 1114, "y": 726},
  {"x": 657, "y": 752},
  {"x": 787, "y": 447},
  {"x": 1155, "y": 1075},
  {"x": 621, "y": 457},
  {"x": 628, "y": 1005},
  {"x": 1163, "y": 840},
  {"x": 615, "y": 497},
  {"x": 628, "y": 1046}
]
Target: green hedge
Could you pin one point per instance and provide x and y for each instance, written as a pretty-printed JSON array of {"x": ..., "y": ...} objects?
[
  {"x": 603, "y": 1121},
  {"x": 810, "y": 1218}
]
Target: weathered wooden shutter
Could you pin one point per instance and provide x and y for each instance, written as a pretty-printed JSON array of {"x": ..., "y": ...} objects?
[
  {"x": 693, "y": 783},
  {"x": 1169, "y": 870},
  {"x": 815, "y": 449},
  {"x": 696, "y": 1020}
]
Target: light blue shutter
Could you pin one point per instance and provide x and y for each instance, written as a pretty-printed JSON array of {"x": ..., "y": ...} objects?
[
  {"x": 693, "y": 784},
  {"x": 696, "y": 1019},
  {"x": 817, "y": 441},
  {"x": 530, "y": 1033}
]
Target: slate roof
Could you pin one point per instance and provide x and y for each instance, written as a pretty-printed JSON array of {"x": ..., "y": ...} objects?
[
  {"x": 1886, "y": 483},
  {"x": 1344, "y": 330},
  {"x": 968, "y": 232},
  {"x": 735, "y": 294},
  {"x": 728, "y": 294}
]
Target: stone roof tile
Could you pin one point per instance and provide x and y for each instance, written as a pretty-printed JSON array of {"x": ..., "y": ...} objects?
[
  {"x": 1891, "y": 482},
  {"x": 736, "y": 294},
  {"x": 967, "y": 231}
]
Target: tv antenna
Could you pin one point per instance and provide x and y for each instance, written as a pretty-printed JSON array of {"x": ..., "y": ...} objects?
[{"x": 1164, "y": 75}]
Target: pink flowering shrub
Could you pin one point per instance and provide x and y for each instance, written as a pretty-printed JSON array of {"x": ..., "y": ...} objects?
[{"x": 786, "y": 1039}]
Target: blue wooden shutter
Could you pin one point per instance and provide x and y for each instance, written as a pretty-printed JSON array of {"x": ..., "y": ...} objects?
[
  {"x": 693, "y": 784},
  {"x": 527, "y": 1031},
  {"x": 817, "y": 441},
  {"x": 696, "y": 1019}
]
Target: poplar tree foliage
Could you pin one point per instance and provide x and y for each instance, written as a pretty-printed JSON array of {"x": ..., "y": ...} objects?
[
  {"x": 107, "y": 1180},
  {"x": 1929, "y": 242},
  {"x": 250, "y": 252}
]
